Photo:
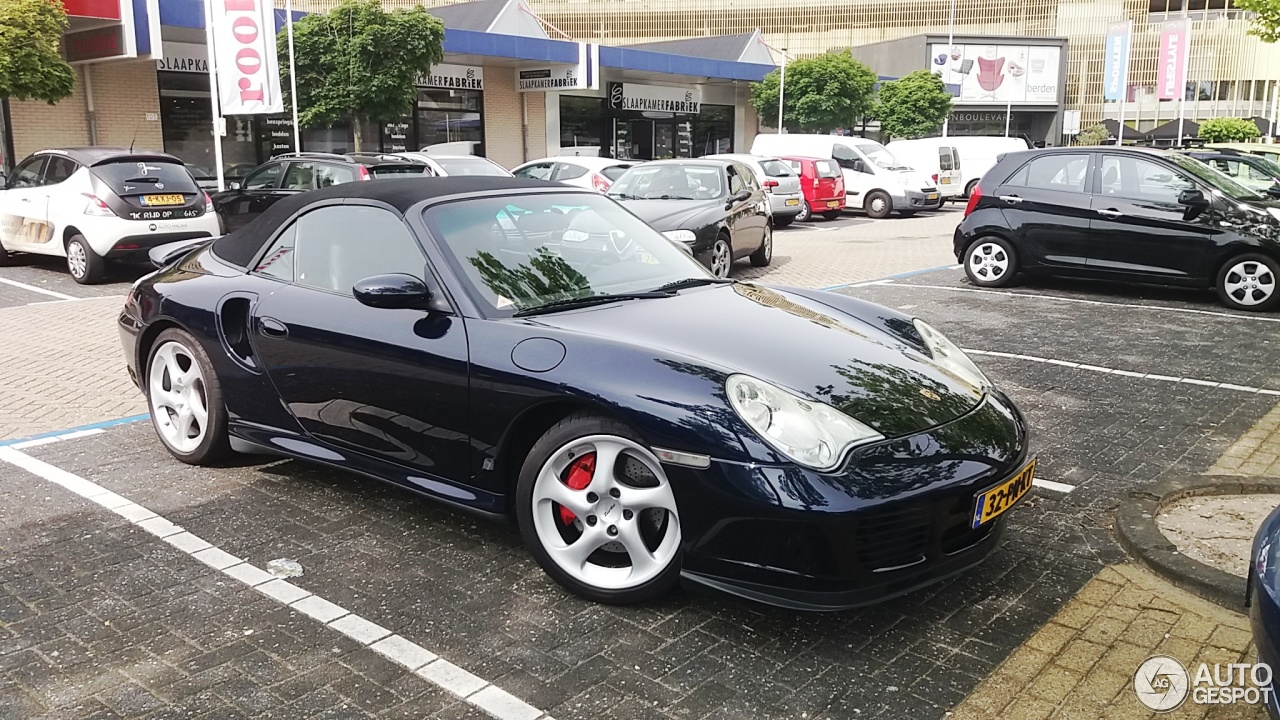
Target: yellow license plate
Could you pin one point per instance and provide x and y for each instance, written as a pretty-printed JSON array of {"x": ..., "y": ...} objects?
[
  {"x": 933, "y": 196},
  {"x": 994, "y": 502},
  {"x": 152, "y": 200},
  {"x": 945, "y": 180},
  {"x": 833, "y": 203},
  {"x": 792, "y": 202}
]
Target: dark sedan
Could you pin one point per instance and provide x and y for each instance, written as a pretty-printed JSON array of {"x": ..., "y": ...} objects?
[
  {"x": 1264, "y": 600},
  {"x": 531, "y": 351},
  {"x": 716, "y": 208}
]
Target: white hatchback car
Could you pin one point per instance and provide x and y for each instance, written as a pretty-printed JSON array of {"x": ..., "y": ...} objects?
[
  {"x": 447, "y": 165},
  {"x": 592, "y": 173},
  {"x": 779, "y": 181},
  {"x": 95, "y": 204}
]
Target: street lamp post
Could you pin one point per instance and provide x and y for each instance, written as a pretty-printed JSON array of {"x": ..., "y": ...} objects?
[
  {"x": 782, "y": 88},
  {"x": 951, "y": 41}
]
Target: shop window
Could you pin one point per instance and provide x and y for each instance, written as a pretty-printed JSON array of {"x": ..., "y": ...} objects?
[
  {"x": 582, "y": 123},
  {"x": 339, "y": 138},
  {"x": 712, "y": 130},
  {"x": 451, "y": 116}
]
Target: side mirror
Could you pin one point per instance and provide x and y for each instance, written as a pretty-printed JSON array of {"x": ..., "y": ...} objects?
[
  {"x": 740, "y": 196},
  {"x": 1274, "y": 191},
  {"x": 234, "y": 186},
  {"x": 1193, "y": 198},
  {"x": 393, "y": 291}
]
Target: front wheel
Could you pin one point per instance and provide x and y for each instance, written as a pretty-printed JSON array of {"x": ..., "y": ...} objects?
[
  {"x": 1248, "y": 282},
  {"x": 721, "y": 256},
  {"x": 86, "y": 266},
  {"x": 597, "y": 511},
  {"x": 878, "y": 204},
  {"x": 186, "y": 399},
  {"x": 990, "y": 262},
  {"x": 764, "y": 255}
]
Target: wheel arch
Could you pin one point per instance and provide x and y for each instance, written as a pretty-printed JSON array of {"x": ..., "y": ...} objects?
[
  {"x": 69, "y": 232},
  {"x": 990, "y": 232},
  {"x": 1233, "y": 252},
  {"x": 147, "y": 340}
]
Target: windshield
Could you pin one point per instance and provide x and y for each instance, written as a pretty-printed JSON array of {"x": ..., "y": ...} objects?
[
  {"x": 880, "y": 155},
  {"x": 1208, "y": 175},
  {"x": 670, "y": 182},
  {"x": 520, "y": 252},
  {"x": 470, "y": 166}
]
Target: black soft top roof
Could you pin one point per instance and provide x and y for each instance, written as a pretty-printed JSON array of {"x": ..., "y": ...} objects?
[
  {"x": 241, "y": 246},
  {"x": 100, "y": 155}
]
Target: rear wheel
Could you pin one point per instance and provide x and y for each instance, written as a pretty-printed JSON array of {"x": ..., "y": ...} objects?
[
  {"x": 764, "y": 255},
  {"x": 968, "y": 189},
  {"x": 86, "y": 266},
  {"x": 1248, "y": 282},
  {"x": 991, "y": 262},
  {"x": 878, "y": 204},
  {"x": 806, "y": 213},
  {"x": 598, "y": 513},
  {"x": 186, "y": 399},
  {"x": 832, "y": 214}
]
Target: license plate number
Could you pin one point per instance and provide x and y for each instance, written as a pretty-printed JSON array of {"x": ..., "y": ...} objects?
[
  {"x": 833, "y": 203},
  {"x": 792, "y": 202},
  {"x": 933, "y": 196},
  {"x": 945, "y": 180},
  {"x": 994, "y": 502},
  {"x": 154, "y": 200}
]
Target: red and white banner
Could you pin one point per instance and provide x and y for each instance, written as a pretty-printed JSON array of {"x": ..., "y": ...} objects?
[
  {"x": 244, "y": 41},
  {"x": 1172, "y": 64}
]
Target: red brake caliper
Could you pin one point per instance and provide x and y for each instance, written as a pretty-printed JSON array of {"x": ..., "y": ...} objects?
[{"x": 579, "y": 477}]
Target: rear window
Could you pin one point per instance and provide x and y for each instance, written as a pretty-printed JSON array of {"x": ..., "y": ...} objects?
[
  {"x": 796, "y": 166},
  {"x": 827, "y": 169},
  {"x": 138, "y": 177},
  {"x": 470, "y": 166},
  {"x": 397, "y": 170},
  {"x": 776, "y": 168},
  {"x": 947, "y": 158},
  {"x": 614, "y": 172}
]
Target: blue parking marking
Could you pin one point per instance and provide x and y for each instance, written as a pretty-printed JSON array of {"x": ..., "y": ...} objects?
[{"x": 80, "y": 428}]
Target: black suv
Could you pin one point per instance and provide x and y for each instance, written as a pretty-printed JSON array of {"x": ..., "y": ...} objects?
[
  {"x": 292, "y": 173},
  {"x": 1125, "y": 214}
]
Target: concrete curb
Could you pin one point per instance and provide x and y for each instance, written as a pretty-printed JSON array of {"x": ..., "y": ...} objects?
[{"x": 1140, "y": 537}]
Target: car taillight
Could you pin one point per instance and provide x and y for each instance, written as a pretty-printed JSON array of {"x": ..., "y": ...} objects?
[
  {"x": 769, "y": 185},
  {"x": 973, "y": 200},
  {"x": 364, "y": 173},
  {"x": 208, "y": 203},
  {"x": 600, "y": 182},
  {"x": 96, "y": 207},
  {"x": 935, "y": 178}
]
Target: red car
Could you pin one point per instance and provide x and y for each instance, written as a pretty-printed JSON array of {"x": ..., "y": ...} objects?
[{"x": 823, "y": 186}]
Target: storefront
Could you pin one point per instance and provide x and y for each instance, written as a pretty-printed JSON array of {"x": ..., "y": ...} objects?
[{"x": 646, "y": 122}]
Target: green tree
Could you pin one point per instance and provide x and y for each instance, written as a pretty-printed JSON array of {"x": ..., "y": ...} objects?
[
  {"x": 359, "y": 62},
  {"x": 912, "y": 106},
  {"x": 822, "y": 93},
  {"x": 1266, "y": 18},
  {"x": 31, "y": 67},
  {"x": 1093, "y": 135},
  {"x": 1216, "y": 130}
]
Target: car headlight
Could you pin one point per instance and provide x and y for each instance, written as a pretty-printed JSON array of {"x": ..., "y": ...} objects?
[
  {"x": 811, "y": 434},
  {"x": 949, "y": 356},
  {"x": 681, "y": 236}
]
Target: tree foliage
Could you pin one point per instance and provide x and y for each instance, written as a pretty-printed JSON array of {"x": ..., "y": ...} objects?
[
  {"x": 1093, "y": 135},
  {"x": 912, "y": 106},
  {"x": 359, "y": 62},
  {"x": 1266, "y": 18},
  {"x": 31, "y": 67},
  {"x": 822, "y": 93},
  {"x": 1228, "y": 130}
]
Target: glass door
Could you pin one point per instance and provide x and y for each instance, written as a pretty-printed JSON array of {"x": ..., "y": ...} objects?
[
  {"x": 664, "y": 139},
  {"x": 641, "y": 136}
]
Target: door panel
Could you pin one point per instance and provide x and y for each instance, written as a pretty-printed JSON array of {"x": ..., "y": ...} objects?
[
  {"x": 24, "y": 209},
  {"x": 1046, "y": 205}
]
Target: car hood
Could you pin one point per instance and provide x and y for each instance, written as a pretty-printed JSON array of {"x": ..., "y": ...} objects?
[
  {"x": 665, "y": 215},
  {"x": 882, "y": 379}
]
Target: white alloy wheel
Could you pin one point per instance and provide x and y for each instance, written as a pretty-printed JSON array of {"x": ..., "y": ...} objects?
[
  {"x": 1249, "y": 283},
  {"x": 77, "y": 261},
  {"x": 988, "y": 261},
  {"x": 179, "y": 398},
  {"x": 721, "y": 258},
  {"x": 604, "y": 513}
]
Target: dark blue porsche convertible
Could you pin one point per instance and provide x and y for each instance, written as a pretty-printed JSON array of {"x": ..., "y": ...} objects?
[{"x": 535, "y": 352}]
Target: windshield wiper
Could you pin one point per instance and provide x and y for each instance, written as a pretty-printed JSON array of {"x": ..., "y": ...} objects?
[
  {"x": 623, "y": 196},
  {"x": 694, "y": 282},
  {"x": 588, "y": 300}
]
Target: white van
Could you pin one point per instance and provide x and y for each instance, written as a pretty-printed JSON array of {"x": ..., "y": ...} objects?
[
  {"x": 936, "y": 157},
  {"x": 979, "y": 154},
  {"x": 874, "y": 179}
]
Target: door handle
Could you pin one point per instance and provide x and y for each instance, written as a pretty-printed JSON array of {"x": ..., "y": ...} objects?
[
  {"x": 1011, "y": 199},
  {"x": 25, "y": 199},
  {"x": 1110, "y": 212},
  {"x": 272, "y": 327}
]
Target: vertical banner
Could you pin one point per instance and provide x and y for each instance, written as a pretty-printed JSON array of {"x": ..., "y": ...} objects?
[
  {"x": 244, "y": 45},
  {"x": 1175, "y": 37},
  {"x": 1116, "y": 61}
]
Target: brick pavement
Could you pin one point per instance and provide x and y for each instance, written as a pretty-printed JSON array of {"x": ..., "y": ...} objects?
[{"x": 1257, "y": 452}]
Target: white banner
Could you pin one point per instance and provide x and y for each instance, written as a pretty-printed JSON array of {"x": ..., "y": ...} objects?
[
  {"x": 585, "y": 75},
  {"x": 655, "y": 98},
  {"x": 454, "y": 77},
  {"x": 244, "y": 38}
]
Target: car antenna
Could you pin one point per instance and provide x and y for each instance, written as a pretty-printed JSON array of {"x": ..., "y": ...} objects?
[{"x": 134, "y": 139}]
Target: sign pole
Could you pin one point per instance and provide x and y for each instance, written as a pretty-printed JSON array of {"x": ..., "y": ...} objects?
[
  {"x": 1186, "y": 69},
  {"x": 1008, "y": 115},
  {"x": 293, "y": 75},
  {"x": 782, "y": 87},
  {"x": 219, "y": 122}
]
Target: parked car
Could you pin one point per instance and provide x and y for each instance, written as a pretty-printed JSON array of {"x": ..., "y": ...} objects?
[
  {"x": 939, "y": 158},
  {"x": 715, "y": 208},
  {"x": 1253, "y": 171},
  {"x": 91, "y": 205},
  {"x": 446, "y": 165},
  {"x": 292, "y": 173},
  {"x": 979, "y": 153},
  {"x": 593, "y": 173},
  {"x": 779, "y": 181},
  {"x": 534, "y": 353},
  {"x": 874, "y": 180},
  {"x": 205, "y": 178},
  {"x": 1266, "y": 150},
  {"x": 1263, "y": 597},
  {"x": 1124, "y": 214},
  {"x": 823, "y": 187}
]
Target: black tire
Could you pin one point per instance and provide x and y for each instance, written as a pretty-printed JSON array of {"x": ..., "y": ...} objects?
[
  {"x": 216, "y": 444},
  {"x": 1251, "y": 276},
  {"x": 764, "y": 254},
  {"x": 86, "y": 266},
  {"x": 723, "y": 237},
  {"x": 806, "y": 213},
  {"x": 906, "y": 213},
  {"x": 833, "y": 214},
  {"x": 5, "y": 257},
  {"x": 581, "y": 425},
  {"x": 1000, "y": 266},
  {"x": 968, "y": 188},
  {"x": 783, "y": 221},
  {"x": 878, "y": 204}
]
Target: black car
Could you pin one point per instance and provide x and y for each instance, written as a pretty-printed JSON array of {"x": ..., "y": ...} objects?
[
  {"x": 292, "y": 173},
  {"x": 1125, "y": 214},
  {"x": 533, "y": 352},
  {"x": 716, "y": 208},
  {"x": 1252, "y": 171}
]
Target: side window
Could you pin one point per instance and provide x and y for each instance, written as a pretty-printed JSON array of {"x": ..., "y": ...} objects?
[
  {"x": 264, "y": 178},
  {"x": 1231, "y": 168},
  {"x": 844, "y": 156},
  {"x": 301, "y": 176},
  {"x": 327, "y": 175},
  {"x": 735, "y": 180},
  {"x": 27, "y": 174},
  {"x": 1141, "y": 179},
  {"x": 565, "y": 171},
  {"x": 749, "y": 179},
  {"x": 278, "y": 262},
  {"x": 340, "y": 245},
  {"x": 1256, "y": 173},
  {"x": 59, "y": 169},
  {"x": 1063, "y": 173},
  {"x": 541, "y": 171}
]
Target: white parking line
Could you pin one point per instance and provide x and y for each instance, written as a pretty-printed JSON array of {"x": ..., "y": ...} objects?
[
  {"x": 1126, "y": 373},
  {"x": 1081, "y": 301},
  {"x": 1052, "y": 485},
  {"x": 56, "y": 438},
  {"x": 480, "y": 693},
  {"x": 42, "y": 291}
]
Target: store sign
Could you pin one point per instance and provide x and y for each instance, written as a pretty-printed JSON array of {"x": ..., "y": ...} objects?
[
  {"x": 1023, "y": 74},
  {"x": 1172, "y": 78},
  {"x": 977, "y": 117},
  {"x": 279, "y": 131},
  {"x": 585, "y": 75},
  {"x": 655, "y": 98},
  {"x": 244, "y": 41},
  {"x": 1070, "y": 122},
  {"x": 96, "y": 44},
  {"x": 184, "y": 57},
  {"x": 395, "y": 136},
  {"x": 454, "y": 77}
]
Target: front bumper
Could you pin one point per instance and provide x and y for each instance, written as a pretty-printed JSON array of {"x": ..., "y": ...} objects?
[
  {"x": 917, "y": 200},
  {"x": 897, "y": 517}
]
